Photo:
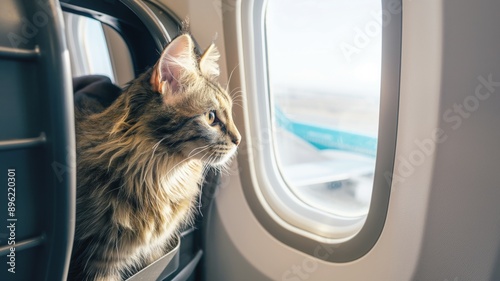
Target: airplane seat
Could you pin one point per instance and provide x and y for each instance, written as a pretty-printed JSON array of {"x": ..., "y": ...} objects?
[
  {"x": 94, "y": 93},
  {"x": 36, "y": 143}
]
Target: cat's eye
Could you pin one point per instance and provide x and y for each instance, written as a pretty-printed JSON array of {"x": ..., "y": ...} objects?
[{"x": 211, "y": 117}]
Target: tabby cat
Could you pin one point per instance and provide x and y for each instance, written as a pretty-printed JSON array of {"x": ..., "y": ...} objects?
[{"x": 141, "y": 161}]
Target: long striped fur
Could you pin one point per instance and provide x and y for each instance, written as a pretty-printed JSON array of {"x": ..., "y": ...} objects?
[{"x": 141, "y": 162}]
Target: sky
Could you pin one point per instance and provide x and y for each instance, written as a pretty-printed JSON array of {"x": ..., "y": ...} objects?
[{"x": 328, "y": 46}]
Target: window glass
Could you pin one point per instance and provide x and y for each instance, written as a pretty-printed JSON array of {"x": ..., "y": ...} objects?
[
  {"x": 88, "y": 47},
  {"x": 324, "y": 66},
  {"x": 97, "y": 49}
]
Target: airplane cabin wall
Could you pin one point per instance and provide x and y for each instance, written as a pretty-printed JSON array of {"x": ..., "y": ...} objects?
[
  {"x": 443, "y": 217},
  {"x": 462, "y": 231}
]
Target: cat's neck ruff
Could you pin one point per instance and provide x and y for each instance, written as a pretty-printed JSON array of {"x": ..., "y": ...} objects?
[{"x": 166, "y": 177}]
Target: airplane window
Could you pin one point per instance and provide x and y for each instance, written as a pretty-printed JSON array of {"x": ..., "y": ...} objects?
[
  {"x": 324, "y": 69},
  {"x": 321, "y": 95},
  {"x": 96, "y": 48}
]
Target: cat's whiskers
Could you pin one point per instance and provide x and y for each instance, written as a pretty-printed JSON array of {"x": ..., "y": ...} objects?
[
  {"x": 201, "y": 147},
  {"x": 204, "y": 172},
  {"x": 224, "y": 167},
  {"x": 235, "y": 91},
  {"x": 155, "y": 147},
  {"x": 214, "y": 160},
  {"x": 238, "y": 100},
  {"x": 236, "y": 104},
  {"x": 187, "y": 158},
  {"x": 236, "y": 94},
  {"x": 208, "y": 165},
  {"x": 231, "y": 76},
  {"x": 237, "y": 97}
]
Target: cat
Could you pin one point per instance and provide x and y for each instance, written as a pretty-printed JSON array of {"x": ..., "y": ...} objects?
[{"x": 140, "y": 162}]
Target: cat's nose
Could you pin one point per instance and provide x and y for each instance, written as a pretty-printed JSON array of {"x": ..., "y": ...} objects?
[
  {"x": 236, "y": 137},
  {"x": 236, "y": 140}
]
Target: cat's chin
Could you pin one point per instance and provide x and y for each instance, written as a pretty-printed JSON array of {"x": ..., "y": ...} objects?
[
  {"x": 224, "y": 160},
  {"x": 205, "y": 156}
]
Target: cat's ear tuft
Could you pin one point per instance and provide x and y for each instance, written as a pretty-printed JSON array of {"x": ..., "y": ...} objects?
[
  {"x": 208, "y": 62},
  {"x": 177, "y": 62}
]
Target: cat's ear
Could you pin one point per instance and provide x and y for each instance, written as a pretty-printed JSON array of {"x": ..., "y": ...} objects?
[
  {"x": 208, "y": 63},
  {"x": 177, "y": 62}
]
